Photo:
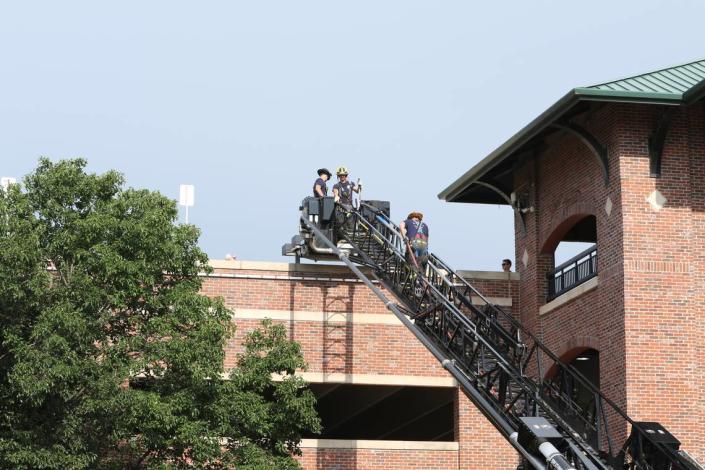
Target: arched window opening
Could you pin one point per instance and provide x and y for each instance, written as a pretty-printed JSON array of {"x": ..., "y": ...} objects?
[
  {"x": 574, "y": 255},
  {"x": 582, "y": 236}
]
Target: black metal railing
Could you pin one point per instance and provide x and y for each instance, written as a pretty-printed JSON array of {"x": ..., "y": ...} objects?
[{"x": 572, "y": 273}]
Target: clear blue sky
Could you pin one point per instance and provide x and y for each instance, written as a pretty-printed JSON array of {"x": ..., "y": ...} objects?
[{"x": 246, "y": 100}]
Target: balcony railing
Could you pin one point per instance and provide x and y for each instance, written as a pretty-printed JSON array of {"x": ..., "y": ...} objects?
[{"x": 572, "y": 273}]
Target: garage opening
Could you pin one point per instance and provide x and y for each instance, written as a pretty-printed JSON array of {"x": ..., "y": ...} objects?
[{"x": 385, "y": 412}]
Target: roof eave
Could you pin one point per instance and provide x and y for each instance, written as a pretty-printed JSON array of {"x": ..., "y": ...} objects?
[
  {"x": 503, "y": 151},
  {"x": 628, "y": 96},
  {"x": 450, "y": 193},
  {"x": 695, "y": 94}
]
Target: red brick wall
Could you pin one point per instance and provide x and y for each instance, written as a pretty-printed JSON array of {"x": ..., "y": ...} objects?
[
  {"x": 356, "y": 348},
  {"x": 563, "y": 182},
  {"x": 481, "y": 446},
  {"x": 664, "y": 300},
  {"x": 646, "y": 315},
  {"x": 310, "y": 295},
  {"x": 352, "y": 348},
  {"x": 382, "y": 459},
  {"x": 507, "y": 286}
]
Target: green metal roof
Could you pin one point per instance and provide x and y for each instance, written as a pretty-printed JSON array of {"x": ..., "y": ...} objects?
[
  {"x": 674, "y": 80},
  {"x": 679, "y": 85}
]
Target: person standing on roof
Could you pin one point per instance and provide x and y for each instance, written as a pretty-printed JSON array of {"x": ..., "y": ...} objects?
[
  {"x": 343, "y": 189},
  {"x": 415, "y": 233},
  {"x": 319, "y": 187}
]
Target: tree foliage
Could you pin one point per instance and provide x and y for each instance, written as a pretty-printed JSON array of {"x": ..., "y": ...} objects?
[{"x": 110, "y": 356}]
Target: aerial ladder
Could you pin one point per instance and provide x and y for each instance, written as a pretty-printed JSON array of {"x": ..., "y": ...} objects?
[{"x": 498, "y": 363}]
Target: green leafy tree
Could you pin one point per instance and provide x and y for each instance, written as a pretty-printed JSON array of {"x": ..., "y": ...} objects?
[{"x": 110, "y": 356}]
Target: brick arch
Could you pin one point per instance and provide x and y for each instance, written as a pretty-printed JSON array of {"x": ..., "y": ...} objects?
[
  {"x": 563, "y": 220},
  {"x": 572, "y": 348}
]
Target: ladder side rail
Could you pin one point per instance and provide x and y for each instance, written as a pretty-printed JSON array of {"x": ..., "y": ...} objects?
[
  {"x": 674, "y": 457},
  {"x": 394, "y": 233},
  {"x": 436, "y": 272},
  {"x": 395, "y": 238},
  {"x": 515, "y": 323},
  {"x": 451, "y": 290},
  {"x": 392, "y": 238},
  {"x": 496, "y": 330},
  {"x": 600, "y": 399},
  {"x": 442, "y": 300},
  {"x": 603, "y": 410},
  {"x": 433, "y": 295},
  {"x": 504, "y": 426},
  {"x": 582, "y": 380},
  {"x": 438, "y": 297},
  {"x": 560, "y": 399},
  {"x": 508, "y": 367}
]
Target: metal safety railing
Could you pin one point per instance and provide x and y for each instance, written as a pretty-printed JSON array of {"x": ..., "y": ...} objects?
[{"x": 572, "y": 273}]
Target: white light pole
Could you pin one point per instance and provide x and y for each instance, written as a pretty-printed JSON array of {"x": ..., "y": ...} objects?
[
  {"x": 6, "y": 181},
  {"x": 186, "y": 193}
]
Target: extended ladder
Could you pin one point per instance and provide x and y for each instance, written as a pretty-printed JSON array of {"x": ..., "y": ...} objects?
[{"x": 499, "y": 364}]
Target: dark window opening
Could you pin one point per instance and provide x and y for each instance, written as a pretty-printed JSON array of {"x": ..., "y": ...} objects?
[
  {"x": 385, "y": 412},
  {"x": 575, "y": 257},
  {"x": 588, "y": 364},
  {"x": 584, "y": 418}
]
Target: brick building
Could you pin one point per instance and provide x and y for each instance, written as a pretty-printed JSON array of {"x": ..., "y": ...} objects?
[
  {"x": 384, "y": 399},
  {"x": 618, "y": 166}
]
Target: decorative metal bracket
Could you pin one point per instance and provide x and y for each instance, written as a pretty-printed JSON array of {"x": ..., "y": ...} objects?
[
  {"x": 657, "y": 139},
  {"x": 591, "y": 141},
  {"x": 513, "y": 204},
  {"x": 496, "y": 190}
]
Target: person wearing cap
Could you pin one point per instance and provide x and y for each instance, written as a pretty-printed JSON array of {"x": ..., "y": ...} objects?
[
  {"x": 319, "y": 187},
  {"x": 415, "y": 233},
  {"x": 343, "y": 189}
]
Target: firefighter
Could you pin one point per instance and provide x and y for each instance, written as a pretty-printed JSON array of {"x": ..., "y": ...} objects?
[
  {"x": 343, "y": 189},
  {"x": 415, "y": 233},
  {"x": 319, "y": 187},
  {"x": 343, "y": 193}
]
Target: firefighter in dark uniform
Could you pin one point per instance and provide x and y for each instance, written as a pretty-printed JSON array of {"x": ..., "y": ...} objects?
[
  {"x": 319, "y": 187},
  {"x": 415, "y": 234},
  {"x": 343, "y": 193},
  {"x": 344, "y": 188}
]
